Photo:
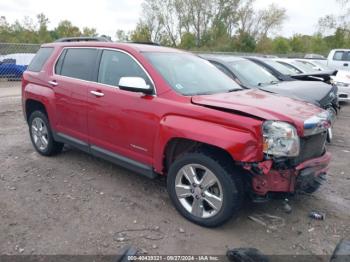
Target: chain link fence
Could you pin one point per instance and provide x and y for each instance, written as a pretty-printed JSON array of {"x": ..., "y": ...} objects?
[{"x": 14, "y": 59}]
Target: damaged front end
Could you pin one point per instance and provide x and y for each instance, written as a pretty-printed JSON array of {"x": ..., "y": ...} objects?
[
  {"x": 268, "y": 178},
  {"x": 292, "y": 163}
]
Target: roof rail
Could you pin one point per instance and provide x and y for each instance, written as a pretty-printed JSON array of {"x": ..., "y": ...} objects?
[
  {"x": 83, "y": 39},
  {"x": 144, "y": 43}
]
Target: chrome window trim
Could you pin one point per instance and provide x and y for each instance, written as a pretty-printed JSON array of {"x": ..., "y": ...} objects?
[{"x": 101, "y": 48}]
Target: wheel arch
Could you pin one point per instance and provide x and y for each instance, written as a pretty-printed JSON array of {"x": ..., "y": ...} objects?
[
  {"x": 179, "y": 146},
  {"x": 178, "y": 134},
  {"x": 32, "y": 105}
]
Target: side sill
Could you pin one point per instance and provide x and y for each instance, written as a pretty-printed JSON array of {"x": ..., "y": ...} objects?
[
  {"x": 81, "y": 145},
  {"x": 123, "y": 161},
  {"x": 117, "y": 159}
]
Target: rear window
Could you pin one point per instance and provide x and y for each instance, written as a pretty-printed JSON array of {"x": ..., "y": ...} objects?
[
  {"x": 40, "y": 59},
  {"x": 78, "y": 63}
]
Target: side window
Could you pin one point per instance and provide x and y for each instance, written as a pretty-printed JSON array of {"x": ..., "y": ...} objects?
[
  {"x": 58, "y": 66},
  {"x": 115, "y": 65},
  {"x": 338, "y": 55},
  {"x": 346, "y": 57},
  {"x": 40, "y": 59},
  {"x": 78, "y": 63}
]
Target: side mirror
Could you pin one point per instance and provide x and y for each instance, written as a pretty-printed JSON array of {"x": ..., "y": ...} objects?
[{"x": 135, "y": 84}]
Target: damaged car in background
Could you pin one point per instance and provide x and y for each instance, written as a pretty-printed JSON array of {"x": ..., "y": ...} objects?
[{"x": 253, "y": 76}]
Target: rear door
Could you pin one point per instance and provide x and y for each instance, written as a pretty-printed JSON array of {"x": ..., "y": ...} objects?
[{"x": 73, "y": 75}]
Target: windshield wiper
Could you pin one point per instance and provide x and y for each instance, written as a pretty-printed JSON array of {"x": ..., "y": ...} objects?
[
  {"x": 269, "y": 83},
  {"x": 234, "y": 90}
]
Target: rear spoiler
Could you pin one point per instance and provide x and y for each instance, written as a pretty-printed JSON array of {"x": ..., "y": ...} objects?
[{"x": 324, "y": 76}]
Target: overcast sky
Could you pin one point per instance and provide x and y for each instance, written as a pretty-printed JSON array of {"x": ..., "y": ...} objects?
[{"x": 109, "y": 15}]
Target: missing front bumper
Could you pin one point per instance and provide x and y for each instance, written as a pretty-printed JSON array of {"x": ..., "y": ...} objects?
[{"x": 290, "y": 180}]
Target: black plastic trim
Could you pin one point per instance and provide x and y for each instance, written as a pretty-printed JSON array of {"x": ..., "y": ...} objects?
[
  {"x": 123, "y": 161},
  {"x": 120, "y": 160},
  {"x": 60, "y": 137}
]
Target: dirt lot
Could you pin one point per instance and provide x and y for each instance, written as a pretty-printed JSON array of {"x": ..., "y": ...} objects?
[{"x": 76, "y": 204}]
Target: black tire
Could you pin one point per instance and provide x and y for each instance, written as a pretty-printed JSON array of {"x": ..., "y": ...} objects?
[
  {"x": 52, "y": 147},
  {"x": 313, "y": 187},
  {"x": 231, "y": 184}
]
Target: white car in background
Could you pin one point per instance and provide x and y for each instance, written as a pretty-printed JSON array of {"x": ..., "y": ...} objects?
[
  {"x": 297, "y": 66},
  {"x": 341, "y": 79},
  {"x": 339, "y": 59}
]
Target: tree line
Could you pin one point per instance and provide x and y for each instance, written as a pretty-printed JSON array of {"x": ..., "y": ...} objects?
[
  {"x": 36, "y": 31},
  {"x": 202, "y": 25}
]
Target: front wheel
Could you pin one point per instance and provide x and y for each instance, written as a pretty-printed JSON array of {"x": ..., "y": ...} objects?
[{"x": 203, "y": 190}]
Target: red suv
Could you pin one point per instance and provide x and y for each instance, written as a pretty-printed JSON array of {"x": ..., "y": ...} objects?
[{"x": 161, "y": 111}]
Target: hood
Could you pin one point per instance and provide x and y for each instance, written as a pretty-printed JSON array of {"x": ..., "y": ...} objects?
[
  {"x": 262, "y": 105},
  {"x": 310, "y": 91},
  {"x": 324, "y": 76}
]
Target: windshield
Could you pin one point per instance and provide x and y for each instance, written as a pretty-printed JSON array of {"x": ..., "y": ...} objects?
[
  {"x": 290, "y": 67},
  {"x": 322, "y": 65},
  {"x": 279, "y": 67},
  {"x": 252, "y": 74},
  {"x": 309, "y": 65},
  {"x": 191, "y": 75},
  {"x": 306, "y": 68}
]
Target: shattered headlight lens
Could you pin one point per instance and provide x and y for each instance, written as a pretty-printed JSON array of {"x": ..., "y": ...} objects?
[{"x": 280, "y": 139}]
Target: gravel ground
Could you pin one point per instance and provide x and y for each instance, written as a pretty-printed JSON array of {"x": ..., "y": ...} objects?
[{"x": 74, "y": 203}]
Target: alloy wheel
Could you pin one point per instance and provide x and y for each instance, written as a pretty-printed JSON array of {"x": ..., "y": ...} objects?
[
  {"x": 40, "y": 134},
  {"x": 199, "y": 190}
]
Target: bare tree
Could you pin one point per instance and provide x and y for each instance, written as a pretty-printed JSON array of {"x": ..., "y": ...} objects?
[
  {"x": 332, "y": 22},
  {"x": 259, "y": 24},
  {"x": 168, "y": 20}
]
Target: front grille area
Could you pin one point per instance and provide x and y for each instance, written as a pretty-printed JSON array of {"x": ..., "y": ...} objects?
[{"x": 311, "y": 147}]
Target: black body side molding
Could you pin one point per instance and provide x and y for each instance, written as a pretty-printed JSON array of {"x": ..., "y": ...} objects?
[{"x": 117, "y": 159}]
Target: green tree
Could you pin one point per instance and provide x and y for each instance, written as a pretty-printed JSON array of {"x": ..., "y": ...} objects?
[
  {"x": 297, "y": 44},
  {"x": 65, "y": 28},
  {"x": 122, "y": 36},
  {"x": 43, "y": 33},
  {"x": 188, "y": 41},
  {"x": 264, "y": 45},
  {"x": 280, "y": 45},
  {"x": 244, "y": 43},
  {"x": 89, "y": 32},
  {"x": 142, "y": 33}
]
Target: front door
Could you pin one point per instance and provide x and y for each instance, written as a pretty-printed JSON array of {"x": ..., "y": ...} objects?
[{"x": 121, "y": 122}]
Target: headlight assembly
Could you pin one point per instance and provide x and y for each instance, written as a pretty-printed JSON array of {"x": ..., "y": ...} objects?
[
  {"x": 341, "y": 84},
  {"x": 280, "y": 139}
]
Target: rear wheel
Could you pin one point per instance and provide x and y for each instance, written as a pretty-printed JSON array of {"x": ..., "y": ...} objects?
[
  {"x": 41, "y": 135},
  {"x": 203, "y": 190}
]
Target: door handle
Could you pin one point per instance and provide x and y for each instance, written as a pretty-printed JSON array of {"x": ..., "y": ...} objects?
[
  {"x": 97, "y": 93},
  {"x": 53, "y": 83},
  {"x": 346, "y": 64}
]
